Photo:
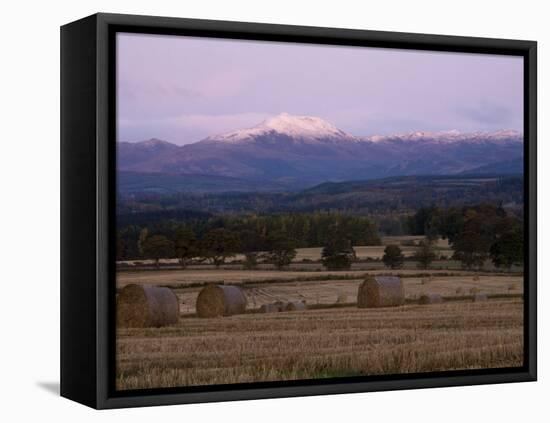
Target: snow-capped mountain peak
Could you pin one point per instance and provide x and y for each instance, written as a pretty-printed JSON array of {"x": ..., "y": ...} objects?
[
  {"x": 452, "y": 136},
  {"x": 302, "y": 126},
  {"x": 302, "y": 149},
  {"x": 297, "y": 127}
]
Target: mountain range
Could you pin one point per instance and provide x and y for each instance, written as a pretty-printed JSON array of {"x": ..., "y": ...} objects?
[{"x": 295, "y": 152}]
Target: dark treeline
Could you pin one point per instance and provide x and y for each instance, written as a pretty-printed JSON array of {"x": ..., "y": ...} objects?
[
  {"x": 250, "y": 233},
  {"x": 475, "y": 233},
  {"x": 146, "y": 217}
]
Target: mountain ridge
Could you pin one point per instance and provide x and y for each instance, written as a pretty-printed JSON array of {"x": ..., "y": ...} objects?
[{"x": 304, "y": 150}]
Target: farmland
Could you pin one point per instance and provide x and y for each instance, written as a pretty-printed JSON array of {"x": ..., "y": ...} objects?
[
  {"x": 320, "y": 288},
  {"x": 333, "y": 337},
  {"x": 322, "y": 343}
]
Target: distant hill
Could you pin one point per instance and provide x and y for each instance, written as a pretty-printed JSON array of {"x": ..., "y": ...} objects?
[
  {"x": 410, "y": 192},
  {"x": 513, "y": 167},
  {"x": 146, "y": 217},
  {"x": 297, "y": 152},
  {"x": 163, "y": 183},
  {"x": 138, "y": 154},
  {"x": 385, "y": 196}
]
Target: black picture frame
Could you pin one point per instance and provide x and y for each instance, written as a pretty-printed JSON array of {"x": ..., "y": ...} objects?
[{"x": 88, "y": 219}]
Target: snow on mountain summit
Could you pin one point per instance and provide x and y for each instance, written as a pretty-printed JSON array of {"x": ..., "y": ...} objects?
[
  {"x": 314, "y": 130},
  {"x": 297, "y": 127},
  {"x": 303, "y": 126},
  {"x": 452, "y": 136}
]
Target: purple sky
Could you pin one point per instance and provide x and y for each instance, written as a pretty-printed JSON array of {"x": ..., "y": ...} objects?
[{"x": 182, "y": 89}]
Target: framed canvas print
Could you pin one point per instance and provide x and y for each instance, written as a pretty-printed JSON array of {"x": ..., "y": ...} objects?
[{"x": 256, "y": 211}]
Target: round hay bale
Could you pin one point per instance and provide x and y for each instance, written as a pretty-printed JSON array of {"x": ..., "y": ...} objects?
[
  {"x": 475, "y": 278},
  {"x": 280, "y": 305},
  {"x": 381, "y": 291},
  {"x": 430, "y": 299},
  {"x": 145, "y": 306},
  {"x": 480, "y": 298},
  {"x": 270, "y": 308},
  {"x": 220, "y": 300},
  {"x": 295, "y": 306}
]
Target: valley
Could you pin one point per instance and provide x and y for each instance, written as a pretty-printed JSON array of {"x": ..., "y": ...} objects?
[{"x": 296, "y": 211}]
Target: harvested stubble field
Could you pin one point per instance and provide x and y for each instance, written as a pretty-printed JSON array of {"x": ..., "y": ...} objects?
[
  {"x": 328, "y": 292},
  {"x": 263, "y": 287},
  {"x": 197, "y": 276},
  {"x": 404, "y": 239},
  {"x": 322, "y": 343}
]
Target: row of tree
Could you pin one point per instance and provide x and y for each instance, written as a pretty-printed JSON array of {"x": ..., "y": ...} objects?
[
  {"x": 254, "y": 233},
  {"x": 220, "y": 244},
  {"x": 475, "y": 234},
  {"x": 216, "y": 247},
  {"x": 423, "y": 256}
]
